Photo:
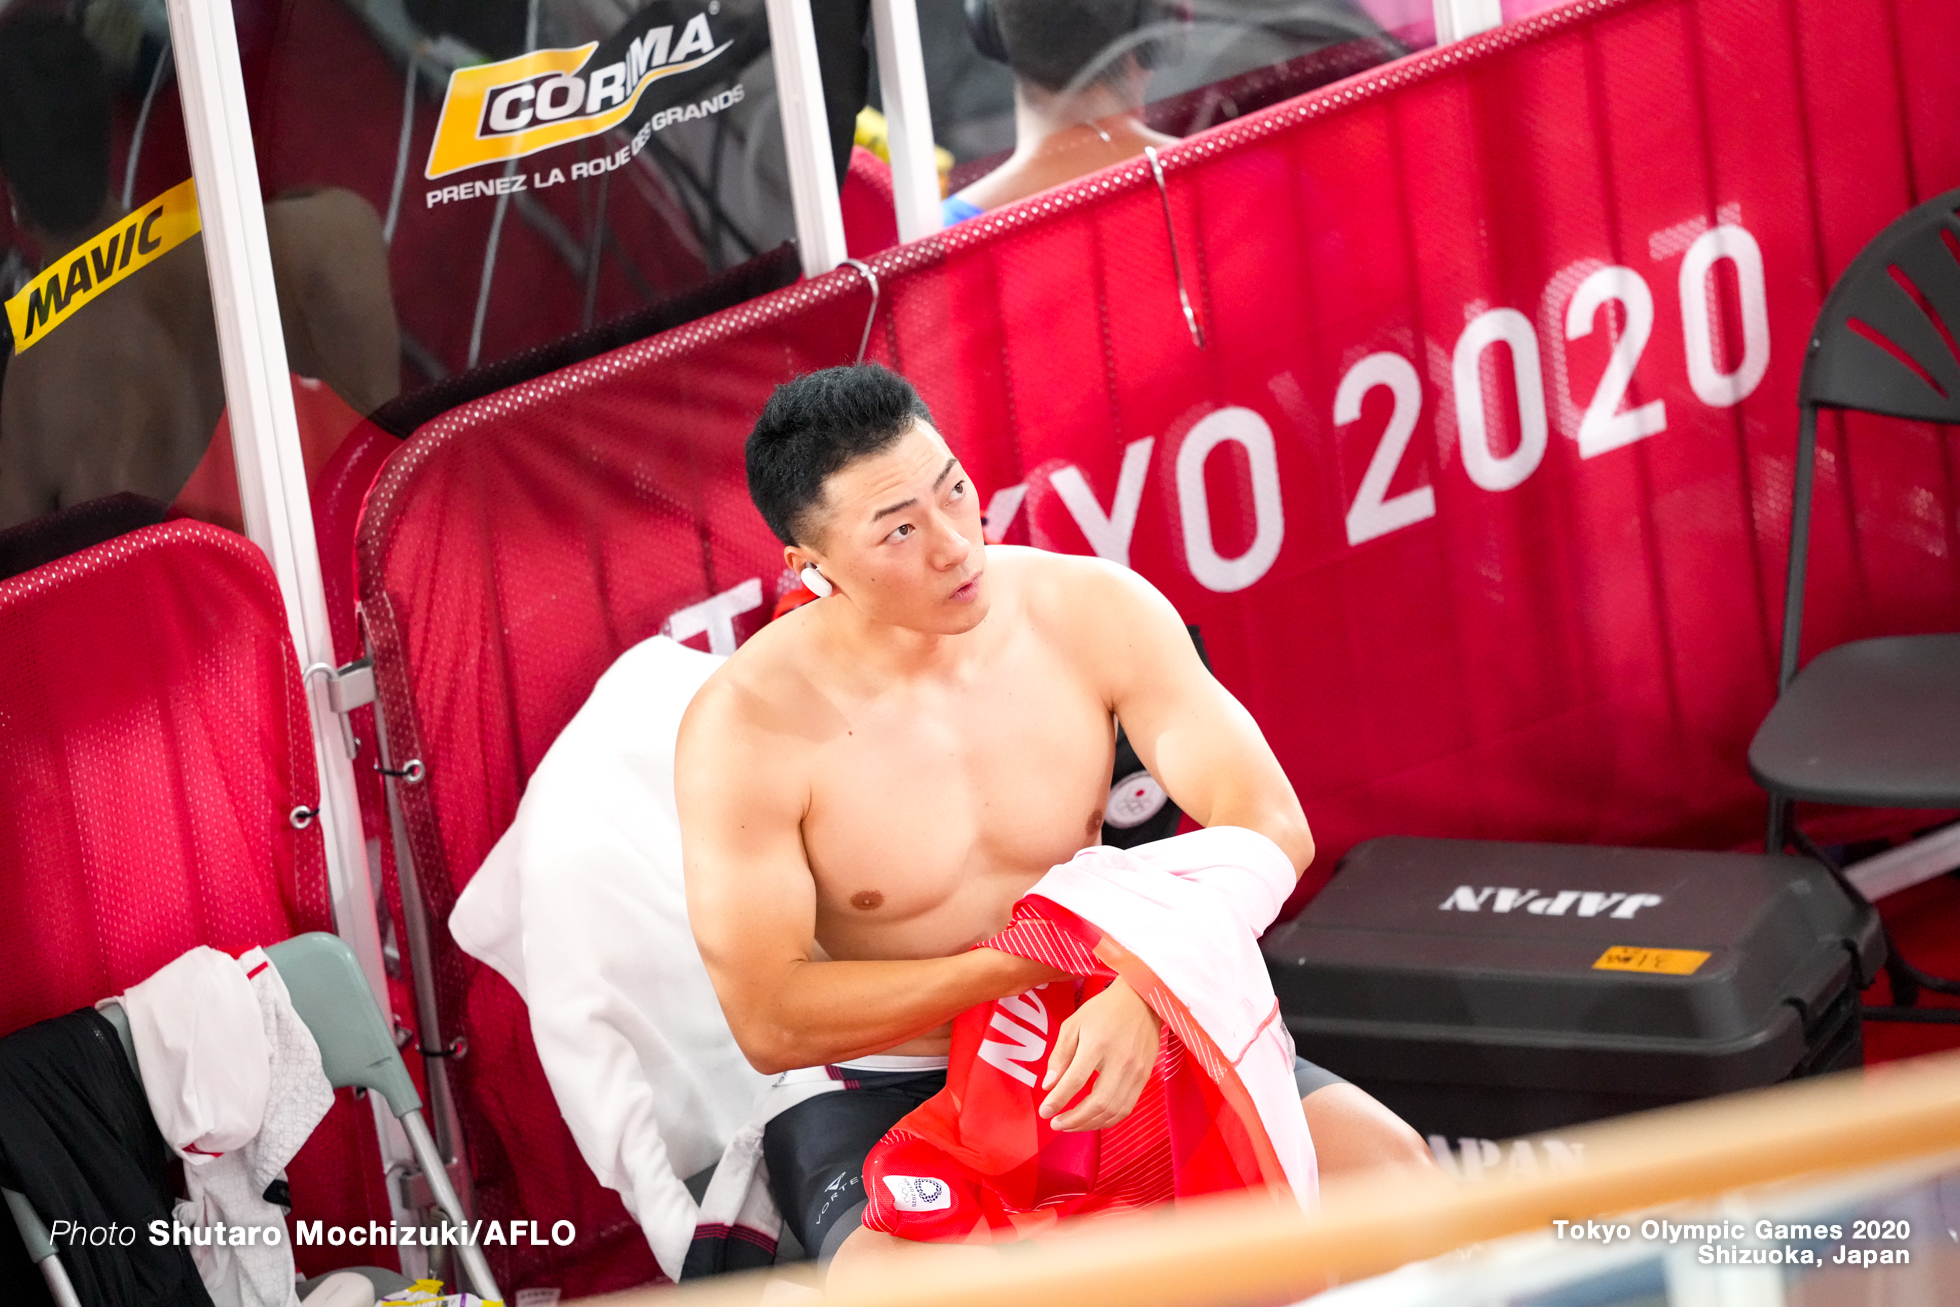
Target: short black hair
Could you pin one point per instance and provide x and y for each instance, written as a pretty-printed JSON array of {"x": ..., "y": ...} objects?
[
  {"x": 1052, "y": 42},
  {"x": 54, "y": 121},
  {"x": 815, "y": 425}
]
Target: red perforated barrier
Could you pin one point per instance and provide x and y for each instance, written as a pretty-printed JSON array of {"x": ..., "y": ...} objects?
[
  {"x": 1479, "y": 511},
  {"x": 153, "y": 743}
]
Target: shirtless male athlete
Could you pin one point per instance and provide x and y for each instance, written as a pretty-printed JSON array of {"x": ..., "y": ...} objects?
[{"x": 868, "y": 785}]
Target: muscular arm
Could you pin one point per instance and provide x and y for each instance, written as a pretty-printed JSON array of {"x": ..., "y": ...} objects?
[
  {"x": 752, "y": 903},
  {"x": 1197, "y": 740}
]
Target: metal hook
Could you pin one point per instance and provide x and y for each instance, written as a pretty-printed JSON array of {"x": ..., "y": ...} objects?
[
  {"x": 458, "y": 1047},
  {"x": 348, "y": 688},
  {"x": 302, "y": 816},
  {"x": 1177, "y": 264},
  {"x": 871, "y": 278},
  {"x": 411, "y": 771}
]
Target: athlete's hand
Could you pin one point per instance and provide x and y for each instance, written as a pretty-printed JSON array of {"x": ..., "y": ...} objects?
[{"x": 1114, "y": 1037}]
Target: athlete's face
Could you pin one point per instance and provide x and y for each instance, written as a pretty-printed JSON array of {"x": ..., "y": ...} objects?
[{"x": 899, "y": 534}]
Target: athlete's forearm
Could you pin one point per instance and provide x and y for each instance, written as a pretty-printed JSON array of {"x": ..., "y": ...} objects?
[
  {"x": 823, "y": 1012},
  {"x": 1278, "y": 818}
]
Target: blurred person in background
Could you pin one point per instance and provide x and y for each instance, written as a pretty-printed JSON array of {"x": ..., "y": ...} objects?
[
  {"x": 1080, "y": 71},
  {"x": 1079, "y": 74},
  {"x": 126, "y": 394}
]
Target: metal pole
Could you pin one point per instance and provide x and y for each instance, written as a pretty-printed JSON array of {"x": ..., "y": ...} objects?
[
  {"x": 1457, "y": 19},
  {"x": 1806, "y": 472},
  {"x": 1778, "y": 832},
  {"x": 908, "y": 116},
  {"x": 264, "y": 426},
  {"x": 265, "y": 442},
  {"x": 467, "y": 1252},
  {"x": 806, "y": 136},
  {"x": 422, "y": 964}
]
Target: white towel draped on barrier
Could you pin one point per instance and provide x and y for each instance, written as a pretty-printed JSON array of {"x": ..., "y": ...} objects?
[{"x": 581, "y": 906}]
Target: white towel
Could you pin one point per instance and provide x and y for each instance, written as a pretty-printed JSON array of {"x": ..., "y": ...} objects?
[
  {"x": 581, "y": 906},
  {"x": 201, "y": 1046},
  {"x": 233, "y": 1077}
]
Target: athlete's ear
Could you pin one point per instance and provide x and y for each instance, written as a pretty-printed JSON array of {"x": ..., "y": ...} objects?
[{"x": 807, "y": 570}]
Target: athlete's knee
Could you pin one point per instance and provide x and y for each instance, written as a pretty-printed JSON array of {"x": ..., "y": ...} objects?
[
  {"x": 867, "y": 1256},
  {"x": 859, "y": 1257},
  {"x": 1354, "y": 1132}
]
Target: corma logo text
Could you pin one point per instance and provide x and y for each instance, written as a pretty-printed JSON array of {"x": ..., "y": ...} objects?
[{"x": 516, "y": 107}]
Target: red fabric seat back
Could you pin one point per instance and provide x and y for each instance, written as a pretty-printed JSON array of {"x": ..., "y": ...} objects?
[
  {"x": 40, "y": 540},
  {"x": 153, "y": 745},
  {"x": 502, "y": 571},
  {"x": 870, "y": 222}
]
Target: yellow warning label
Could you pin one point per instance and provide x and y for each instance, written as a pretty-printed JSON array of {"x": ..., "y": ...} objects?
[
  {"x": 1661, "y": 961},
  {"x": 86, "y": 271}
]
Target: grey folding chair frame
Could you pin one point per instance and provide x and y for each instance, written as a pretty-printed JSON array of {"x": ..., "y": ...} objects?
[
  {"x": 40, "y": 1248},
  {"x": 331, "y": 996},
  {"x": 357, "y": 1049}
]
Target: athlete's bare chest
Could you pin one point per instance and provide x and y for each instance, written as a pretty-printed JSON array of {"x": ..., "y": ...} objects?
[{"x": 936, "y": 808}]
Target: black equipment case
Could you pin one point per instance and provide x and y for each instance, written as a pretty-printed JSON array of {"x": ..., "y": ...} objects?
[{"x": 1493, "y": 990}]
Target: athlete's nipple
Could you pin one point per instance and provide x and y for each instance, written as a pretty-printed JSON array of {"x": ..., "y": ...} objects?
[
  {"x": 867, "y": 900},
  {"x": 1093, "y": 831}
]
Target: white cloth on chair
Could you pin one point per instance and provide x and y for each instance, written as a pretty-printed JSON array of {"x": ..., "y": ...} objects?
[
  {"x": 201, "y": 1048},
  {"x": 581, "y": 906},
  {"x": 234, "y": 1079}
]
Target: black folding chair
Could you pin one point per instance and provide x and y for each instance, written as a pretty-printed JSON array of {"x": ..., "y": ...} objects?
[{"x": 1875, "y": 723}]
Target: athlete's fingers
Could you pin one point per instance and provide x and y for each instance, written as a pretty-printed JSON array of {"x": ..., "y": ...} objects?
[
  {"x": 1115, "y": 1036},
  {"x": 1066, "y": 1039},
  {"x": 1082, "y": 1063},
  {"x": 1119, "y": 1083},
  {"x": 1114, "y": 1096},
  {"x": 1083, "y": 1117},
  {"x": 1100, "y": 1109},
  {"x": 1058, "y": 1100}
]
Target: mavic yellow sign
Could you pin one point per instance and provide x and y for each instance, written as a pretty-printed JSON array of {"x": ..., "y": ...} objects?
[
  {"x": 59, "y": 292},
  {"x": 516, "y": 107}
]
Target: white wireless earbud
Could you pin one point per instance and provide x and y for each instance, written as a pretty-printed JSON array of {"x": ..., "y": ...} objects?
[{"x": 814, "y": 582}]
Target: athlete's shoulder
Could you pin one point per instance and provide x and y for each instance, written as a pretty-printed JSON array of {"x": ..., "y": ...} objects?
[
  {"x": 1073, "y": 589},
  {"x": 1039, "y": 571},
  {"x": 757, "y": 692}
]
